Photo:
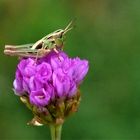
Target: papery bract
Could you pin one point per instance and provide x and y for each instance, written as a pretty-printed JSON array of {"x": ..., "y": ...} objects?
[
  {"x": 80, "y": 69},
  {"x": 61, "y": 82},
  {"x": 40, "y": 97},
  {"x": 35, "y": 83},
  {"x": 18, "y": 84},
  {"x": 44, "y": 71}
]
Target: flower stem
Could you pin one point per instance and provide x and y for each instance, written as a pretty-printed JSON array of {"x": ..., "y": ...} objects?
[{"x": 56, "y": 132}]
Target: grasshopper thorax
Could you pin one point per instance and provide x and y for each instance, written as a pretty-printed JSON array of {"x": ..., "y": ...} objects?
[{"x": 56, "y": 34}]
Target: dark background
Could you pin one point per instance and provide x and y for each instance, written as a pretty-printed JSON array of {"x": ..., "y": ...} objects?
[{"x": 107, "y": 34}]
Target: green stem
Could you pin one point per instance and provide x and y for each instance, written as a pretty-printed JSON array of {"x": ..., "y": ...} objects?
[{"x": 56, "y": 132}]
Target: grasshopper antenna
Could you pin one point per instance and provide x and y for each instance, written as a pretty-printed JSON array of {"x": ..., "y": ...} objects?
[{"x": 69, "y": 26}]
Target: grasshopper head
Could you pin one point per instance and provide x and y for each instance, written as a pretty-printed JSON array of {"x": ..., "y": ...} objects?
[{"x": 57, "y": 37}]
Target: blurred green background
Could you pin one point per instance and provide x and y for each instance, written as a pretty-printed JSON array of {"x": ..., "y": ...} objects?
[{"x": 107, "y": 33}]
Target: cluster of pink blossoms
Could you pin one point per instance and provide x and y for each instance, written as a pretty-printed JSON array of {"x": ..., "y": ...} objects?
[{"x": 48, "y": 78}]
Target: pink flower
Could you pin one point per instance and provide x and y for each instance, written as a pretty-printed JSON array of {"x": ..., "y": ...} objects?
[{"x": 51, "y": 77}]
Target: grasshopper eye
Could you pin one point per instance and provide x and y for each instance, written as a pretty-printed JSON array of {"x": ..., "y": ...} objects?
[{"x": 53, "y": 42}]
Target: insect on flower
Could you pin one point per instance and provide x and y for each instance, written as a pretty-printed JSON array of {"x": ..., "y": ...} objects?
[{"x": 53, "y": 41}]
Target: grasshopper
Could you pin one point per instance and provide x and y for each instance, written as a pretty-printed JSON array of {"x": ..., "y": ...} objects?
[{"x": 53, "y": 41}]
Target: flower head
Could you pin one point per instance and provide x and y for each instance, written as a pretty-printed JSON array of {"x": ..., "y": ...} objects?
[{"x": 53, "y": 77}]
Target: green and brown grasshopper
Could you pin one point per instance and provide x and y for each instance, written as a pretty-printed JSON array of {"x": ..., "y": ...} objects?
[{"x": 53, "y": 41}]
